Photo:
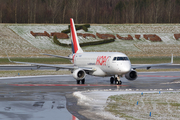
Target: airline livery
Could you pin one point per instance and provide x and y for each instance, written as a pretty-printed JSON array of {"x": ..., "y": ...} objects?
[{"x": 112, "y": 64}]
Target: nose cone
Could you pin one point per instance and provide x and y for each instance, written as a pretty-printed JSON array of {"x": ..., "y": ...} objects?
[{"x": 126, "y": 67}]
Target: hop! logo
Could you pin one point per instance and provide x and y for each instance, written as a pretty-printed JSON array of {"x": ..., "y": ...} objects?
[{"x": 101, "y": 60}]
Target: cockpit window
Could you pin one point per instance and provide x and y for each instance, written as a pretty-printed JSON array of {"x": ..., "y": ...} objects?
[
  {"x": 114, "y": 58},
  {"x": 120, "y": 58}
]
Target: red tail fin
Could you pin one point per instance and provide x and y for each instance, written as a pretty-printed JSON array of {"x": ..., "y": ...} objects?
[{"x": 74, "y": 40}]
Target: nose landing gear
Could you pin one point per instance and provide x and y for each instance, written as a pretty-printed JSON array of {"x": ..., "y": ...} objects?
[{"x": 115, "y": 79}]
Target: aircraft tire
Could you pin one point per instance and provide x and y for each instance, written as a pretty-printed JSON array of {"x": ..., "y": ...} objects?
[
  {"x": 82, "y": 81},
  {"x": 111, "y": 80},
  {"x": 78, "y": 81},
  {"x": 118, "y": 82}
]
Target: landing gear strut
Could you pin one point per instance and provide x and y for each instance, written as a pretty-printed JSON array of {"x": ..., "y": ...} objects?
[
  {"x": 78, "y": 81},
  {"x": 112, "y": 80},
  {"x": 82, "y": 81},
  {"x": 115, "y": 79}
]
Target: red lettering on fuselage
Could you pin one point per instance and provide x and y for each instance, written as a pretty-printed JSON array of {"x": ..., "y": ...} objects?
[{"x": 101, "y": 60}]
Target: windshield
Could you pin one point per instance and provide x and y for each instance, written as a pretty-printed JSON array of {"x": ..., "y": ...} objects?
[{"x": 120, "y": 58}]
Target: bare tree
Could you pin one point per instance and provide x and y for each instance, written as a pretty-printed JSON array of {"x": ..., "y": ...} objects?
[
  {"x": 77, "y": 9},
  {"x": 92, "y": 11},
  {"x": 120, "y": 9},
  {"x": 64, "y": 6},
  {"x": 15, "y": 11},
  {"x": 1, "y": 12},
  {"x": 157, "y": 9},
  {"x": 28, "y": 11},
  {"x": 35, "y": 3},
  {"x": 54, "y": 7},
  {"x": 170, "y": 6},
  {"x": 133, "y": 11}
]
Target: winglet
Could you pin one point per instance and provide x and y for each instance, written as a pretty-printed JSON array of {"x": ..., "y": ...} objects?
[
  {"x": 8, "y": 56},
  {"x": 172, "y": 59}
]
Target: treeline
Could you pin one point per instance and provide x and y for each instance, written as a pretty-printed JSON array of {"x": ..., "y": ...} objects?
[{"x": 90, "y": 11}]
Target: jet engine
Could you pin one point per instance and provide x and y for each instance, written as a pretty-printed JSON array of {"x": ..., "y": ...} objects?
[
  {"x": 79, "y": 74},
  {"x": 132, "y": 75}
]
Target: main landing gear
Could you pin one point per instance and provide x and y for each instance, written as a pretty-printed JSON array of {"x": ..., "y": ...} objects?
[
  {"x": 115, "y": 79},
  {"x": 82, "y": 81}
]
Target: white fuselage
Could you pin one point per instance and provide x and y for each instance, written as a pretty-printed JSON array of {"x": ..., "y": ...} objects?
[{"x": 103, "y": 63}]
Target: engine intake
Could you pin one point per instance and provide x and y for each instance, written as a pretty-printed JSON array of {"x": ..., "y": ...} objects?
[
  {"x": 79, "y": 74},
  {"x": 132, "y": 75}
]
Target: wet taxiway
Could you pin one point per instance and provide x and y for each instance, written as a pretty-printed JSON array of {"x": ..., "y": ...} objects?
[
  {"x": 28, "y": 67},
  {"x": 50, "y": 97}
]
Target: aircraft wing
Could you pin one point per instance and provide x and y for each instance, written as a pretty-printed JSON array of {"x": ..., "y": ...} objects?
[
  {"x": 48, "y": 65},
  {"x": 70, "y": 66},
  {"x": 56, "y": 56},
  {"x": 148, "y": 66}
]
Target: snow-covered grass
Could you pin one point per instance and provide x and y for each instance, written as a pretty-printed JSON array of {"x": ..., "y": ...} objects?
[
  {"x": 14, "y": 44},
  {"x": 145, "y": 28},
  {"x": 132, "y": 48},
  {"x": 117, "y": 105},
  {"x": 41, "y": 42},
  {"x": 95, "y": 102},
  {"x": 162, "y": 106}
]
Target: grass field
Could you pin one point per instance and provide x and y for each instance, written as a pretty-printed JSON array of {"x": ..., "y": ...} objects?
[
  {"x": 14, "y": 73},
  {"x": 153, "y": 60},
  {"x": 164, "y": 106},
  {"x": 49, "y": 60},
  {"x": 17, "y": 40}
]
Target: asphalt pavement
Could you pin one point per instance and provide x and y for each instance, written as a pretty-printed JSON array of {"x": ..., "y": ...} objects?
[{"x": 50, "y": 96}]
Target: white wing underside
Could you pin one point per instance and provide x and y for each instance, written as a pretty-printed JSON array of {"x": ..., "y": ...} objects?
[
  {"x": 58, "y": 67},
  {"x": 148, "y": 66},
  {"x": 70, "y": 67}
]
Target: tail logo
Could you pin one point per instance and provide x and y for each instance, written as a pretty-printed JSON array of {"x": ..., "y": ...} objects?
[{"x": 74, "y": 41}]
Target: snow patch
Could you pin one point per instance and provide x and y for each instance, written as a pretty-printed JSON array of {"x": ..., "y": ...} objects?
[
  {"x": 96, "y": 100},
  {"x": 82, "y": 99}
]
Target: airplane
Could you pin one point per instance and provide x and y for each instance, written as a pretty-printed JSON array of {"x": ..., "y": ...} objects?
[{"x": 102, "y": 64}]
